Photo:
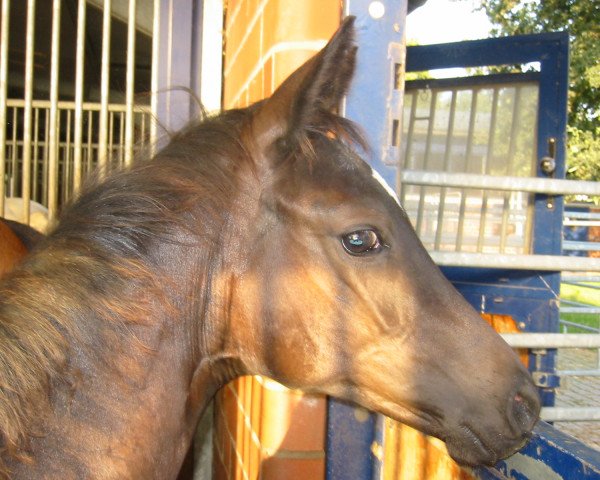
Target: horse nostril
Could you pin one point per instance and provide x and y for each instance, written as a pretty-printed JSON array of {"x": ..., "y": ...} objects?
[{"x": 524, "y": 409}]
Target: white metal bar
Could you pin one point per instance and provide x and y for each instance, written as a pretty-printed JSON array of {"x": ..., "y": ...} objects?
[
  {"x": 53, "y": 133},
  {"x": 549, "y": 186},
  {"x": 552, "y": 340},
  {"x": 578, "y": 373},
  {"x": 468, "y": 158},
  {"x": 587, "y": 309},
  {"x": 515, "y": 127},
  {"x": 574, "y": 245},
  {"x": 581, "y": 278},
  {"x": 14, "y": 158},
  {"x": 129, "y": 87},
  {"x": 487, "y": 166},
  {"x": 104, "y": 90},
  {"x": 35, "y": 156},
  {"x": 45, "y": 157},
  {"x": 427, "y": 154},
  {"x": 582, "y": 215},
  {"x": 581, "y": 223},
  {"x": 88, "y": 157},
  {"x": 154, "y": 78},
  {"x": 67, "y": 105},
  {"x": 447, "y": 150},
  {"x": 552, "y": 263},
  {"x": 79, "y": 72},
  {"x": 27, "y": 113},
  {"x": 570, "y": 414},
  {"x": 122, "y": 128},
  {"x": 3, "y": 88}
]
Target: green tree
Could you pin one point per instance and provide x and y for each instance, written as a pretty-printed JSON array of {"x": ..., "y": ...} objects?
[{"x": 582, "y": 20}]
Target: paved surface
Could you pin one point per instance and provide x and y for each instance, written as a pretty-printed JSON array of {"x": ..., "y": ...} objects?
[{"x": 579, "y": 392}]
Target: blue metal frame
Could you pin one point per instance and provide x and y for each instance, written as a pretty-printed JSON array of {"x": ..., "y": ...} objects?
[{"x": 550, "y": 455}]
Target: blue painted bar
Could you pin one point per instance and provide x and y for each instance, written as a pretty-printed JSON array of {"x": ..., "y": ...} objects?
[
  {"x": 350, "y": 434},
  {"x": 375, "y": 97},
  {"x": 551, "y": 455}
]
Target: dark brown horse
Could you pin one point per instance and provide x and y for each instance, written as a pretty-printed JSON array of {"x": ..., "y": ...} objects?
[{"x": 257, "y": 242}]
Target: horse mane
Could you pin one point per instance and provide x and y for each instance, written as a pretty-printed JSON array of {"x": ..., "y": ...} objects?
[{"x": 77, "y": 287}]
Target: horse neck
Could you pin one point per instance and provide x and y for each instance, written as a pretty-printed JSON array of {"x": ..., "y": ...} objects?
[{"x": 120, "y": 401}]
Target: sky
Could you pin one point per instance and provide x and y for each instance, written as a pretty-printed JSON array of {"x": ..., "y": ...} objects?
[{"x": 441, "y": 21}]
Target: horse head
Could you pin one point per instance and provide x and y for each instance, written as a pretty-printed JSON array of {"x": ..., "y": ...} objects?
[{"x": 331, "y": 291}]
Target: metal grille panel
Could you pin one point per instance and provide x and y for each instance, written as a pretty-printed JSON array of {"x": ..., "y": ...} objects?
[{"x": 482, "y": 130}]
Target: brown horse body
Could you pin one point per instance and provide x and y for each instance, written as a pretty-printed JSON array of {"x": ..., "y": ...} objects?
[{"x": 257, "y": 242}]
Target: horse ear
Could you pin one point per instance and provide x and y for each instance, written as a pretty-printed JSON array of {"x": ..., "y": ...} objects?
[{"x": 308, "y": 96}]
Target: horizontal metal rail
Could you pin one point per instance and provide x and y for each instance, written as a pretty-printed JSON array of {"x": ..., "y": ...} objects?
[
  {"x": 586, "y": 309},
  {"x": 570, "y": 414},
  {"x": 578, "y": 373},
  {"x": 578, "y": 325},
  {"x": 553, "y": 263},
  {"x": 580, "y": 246},
  {"x": 581, "y": 223},
  {"x": 582, "y": 215},
  {"x": 580, "y": 283},
  {"x": 548, "y": 186},
  {"x": 552, "y": 340},
  {"x": 66, "y": 105},
  {"x": 583, "y": 279}
]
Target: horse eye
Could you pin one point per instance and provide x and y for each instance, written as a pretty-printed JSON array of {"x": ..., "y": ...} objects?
[{"x": 361, "y": 242}]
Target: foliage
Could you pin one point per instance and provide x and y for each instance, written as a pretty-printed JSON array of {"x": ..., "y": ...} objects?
[
  {"x": 582, "y": 20},
  {"x": 583, "y": 154}
]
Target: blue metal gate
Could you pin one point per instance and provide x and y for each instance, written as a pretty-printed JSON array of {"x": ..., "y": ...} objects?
[{"x": 355, "y": 437}]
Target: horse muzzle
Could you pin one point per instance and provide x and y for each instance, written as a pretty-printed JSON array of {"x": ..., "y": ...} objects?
[{"x": 475, "y": 443}]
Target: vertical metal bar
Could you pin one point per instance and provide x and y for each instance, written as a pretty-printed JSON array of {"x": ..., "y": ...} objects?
[
  {"x": 143, "y": 129},
  {"x": 88, "y": 159},
  {"x": 468, "y": 154},
  {"x": 79, "y": 72},
  {"x": 67, "y": 175},
  {"x": 168, "y": 62},
  {"x": 46, "y": 157},
  {"x": 122, "y": 146},
  {"x": 14, "y": 178},
  {"x": 3, "y": 88},
  {"x": 409, "y": 140},
  {"x": 36, "y": 155},
  {"x": 27, "y": 114},
  {"x": 512, "y": 146},
  {"x": 423, "y": 190},
  {"x": 111, "y": 126},
  {"x": 104, "y": 89},
  {"x": 486, "y": 169},
  {"x": 53, "y": 134},
  {"x": 154, "y": 79},
  {"x": 129, "y": 84},
  {"x": 448, "y": 147}
]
